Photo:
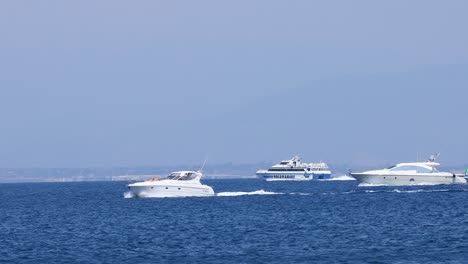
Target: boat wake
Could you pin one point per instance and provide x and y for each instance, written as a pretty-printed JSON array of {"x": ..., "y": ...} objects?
[
  {"x": 128, "y": 195},
  {"x": 406, "y": 191},
  {"x": 342, "y": 178},
  {"x": 303, "y": 194},
  {"x": 363, "y": 184},
  {"x": 258, "y": 192}
]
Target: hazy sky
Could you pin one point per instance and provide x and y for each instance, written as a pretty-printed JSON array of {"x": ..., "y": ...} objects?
[{"x": 110, "y": 83}]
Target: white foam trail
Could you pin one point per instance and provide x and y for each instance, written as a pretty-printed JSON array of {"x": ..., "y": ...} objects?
[
  {"x": 421, "y": 190},
  {"x": 427, "y": 184},
  {"x": 407, "y": 191},
  {"x": 304, "y": 194},
  {"x": 395, "y": 191},
  {"x": 258, "y": 192},
  {"x": 342, "y": 178},
  {"x": 371, "y": 191},
  {"x": 128, "y": 195},
  {"x": 363, "y": 184}
]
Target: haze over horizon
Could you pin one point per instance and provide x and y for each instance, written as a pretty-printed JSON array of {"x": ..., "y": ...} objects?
[{"x": 119, "y": 83}]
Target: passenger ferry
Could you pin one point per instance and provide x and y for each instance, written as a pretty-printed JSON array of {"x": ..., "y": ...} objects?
[{"x": 295, "y": 170}]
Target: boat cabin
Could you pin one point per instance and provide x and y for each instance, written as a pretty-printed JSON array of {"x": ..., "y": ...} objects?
[{"x": 415, "y": 167}]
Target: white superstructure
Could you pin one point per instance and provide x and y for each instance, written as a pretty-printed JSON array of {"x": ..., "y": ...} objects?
[
  {"x": 409, "y": 174},
  {"x": 177, "y": 184},
  {"x": 295, "y": 170}
]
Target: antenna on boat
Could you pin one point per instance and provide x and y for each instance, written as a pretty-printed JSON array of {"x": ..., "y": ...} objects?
[
  {"x": 433, "y": 157},
  {"x": 203, "y": 166}
]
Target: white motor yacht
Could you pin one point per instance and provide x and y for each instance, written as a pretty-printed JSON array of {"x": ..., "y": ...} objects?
[
  {"x": 295, "y": 170},
  {"x": 415, "y": 173},
  {"x": 177, "y": 184}
]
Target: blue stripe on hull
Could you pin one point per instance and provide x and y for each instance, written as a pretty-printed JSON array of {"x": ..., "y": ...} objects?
[{"x": 312, "y": 176}]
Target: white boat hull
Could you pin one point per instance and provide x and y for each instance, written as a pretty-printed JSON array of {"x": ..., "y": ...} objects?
[
  {"x": 158, "y": 191},
  {"x": 401, "y": 179}
]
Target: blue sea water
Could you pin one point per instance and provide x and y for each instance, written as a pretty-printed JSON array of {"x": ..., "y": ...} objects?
[{"x": 287, "y": 222}]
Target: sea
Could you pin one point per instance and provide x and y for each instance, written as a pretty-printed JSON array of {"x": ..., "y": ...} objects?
[{"x": 249, "y": 221}]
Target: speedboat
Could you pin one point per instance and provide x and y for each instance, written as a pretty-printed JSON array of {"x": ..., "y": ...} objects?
[
  {"x": 295, "y": 170},
  {"x": 414, "y": 173},
  {"x": 176, "y": 184}
]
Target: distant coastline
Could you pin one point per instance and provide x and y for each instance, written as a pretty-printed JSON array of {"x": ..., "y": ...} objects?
[{"x": 220, "y": 171}]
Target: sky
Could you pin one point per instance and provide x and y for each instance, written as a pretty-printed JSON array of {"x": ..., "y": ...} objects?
[{"x": 127, "y": 83}]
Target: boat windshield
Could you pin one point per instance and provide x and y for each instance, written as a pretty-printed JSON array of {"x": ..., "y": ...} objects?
[
  {"x": 179, "y": 176},
  {"x": 418, "y": 169}
]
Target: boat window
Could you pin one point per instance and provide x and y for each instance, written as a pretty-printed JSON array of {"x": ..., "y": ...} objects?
[
  {"x": 187, "y": 176},
  {"x": 391, "y": 167},
  {"x": 181, "y": 176},
  {"x": 424, "y": 170},
  {"x": 412, "y": 168},
  {"x": 174, "y": 175},
  {"x": 287, "y": 169}
]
